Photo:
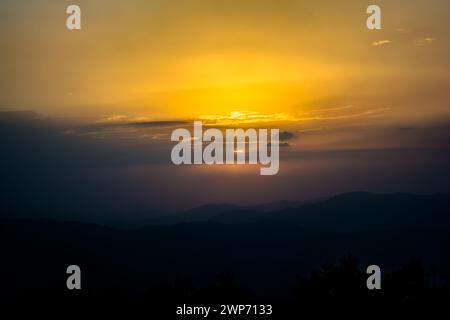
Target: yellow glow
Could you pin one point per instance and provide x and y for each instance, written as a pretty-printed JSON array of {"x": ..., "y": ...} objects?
[
  {"x": 185, "y": 59},
  {"x": 245, "y": 117},
  {"x": 216, "y": 87}
]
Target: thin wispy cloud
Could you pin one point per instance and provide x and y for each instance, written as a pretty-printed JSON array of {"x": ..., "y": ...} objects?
[
  {"x": 245, "y": 117},
  {"x": 424, "y": 42},
  {"x": 342, "y": 113},
  {"x": 381, "y": 42}
]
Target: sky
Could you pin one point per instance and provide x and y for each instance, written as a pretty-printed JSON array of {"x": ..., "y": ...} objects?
[
  {"x": 86, "y": 115},
  {"x": 184, "y": 59}
]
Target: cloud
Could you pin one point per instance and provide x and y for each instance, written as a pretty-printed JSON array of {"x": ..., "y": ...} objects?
[
  {"x": 245, "y": 117},
  {"x": 167, "y": 123},
  {"x": 424, "y": 41},
  {"x": 342, "y": 113},
  {"x": 125, "y": 120},
  {"x": 286, "y": 135},
  {"x": 76, "y": 176},
  {"x": 381, "y": 42},
  {"x": 125, "y": 128}
]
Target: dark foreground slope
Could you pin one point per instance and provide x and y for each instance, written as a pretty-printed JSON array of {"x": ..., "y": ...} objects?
[{"x": 285, "y": 257}]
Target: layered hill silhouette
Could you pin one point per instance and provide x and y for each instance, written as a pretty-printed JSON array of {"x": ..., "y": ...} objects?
[
  {"x": 352, "y": 211},
  {"x": 265, "y": 250}
]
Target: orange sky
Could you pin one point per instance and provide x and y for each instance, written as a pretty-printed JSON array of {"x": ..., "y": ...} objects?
[{"x": 300, "y": 60}]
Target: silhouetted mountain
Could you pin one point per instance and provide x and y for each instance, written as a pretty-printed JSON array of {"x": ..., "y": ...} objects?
[
  {"x": 265, "y": 254},
  {"x": 352, "y": 211},
  {"x": 362, "y": 210},
  {"x": 226, "y": 213}
]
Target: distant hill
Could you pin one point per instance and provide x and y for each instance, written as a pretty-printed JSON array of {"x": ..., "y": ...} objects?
[
  {"x": 352, "y": 211},
  {"x": 362, "y": 210},
  {"x": 266, "y": 251},
  {"x": 225, "y": 213}
]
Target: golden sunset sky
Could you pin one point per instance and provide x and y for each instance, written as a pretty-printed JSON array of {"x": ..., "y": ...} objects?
[
  {"x": 358, "y": 109},
  {"x": 287, "y": 60}
]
